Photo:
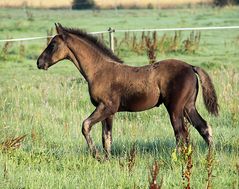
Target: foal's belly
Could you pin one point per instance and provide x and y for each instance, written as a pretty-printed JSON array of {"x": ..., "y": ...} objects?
[{"x": 139, "y": 102}]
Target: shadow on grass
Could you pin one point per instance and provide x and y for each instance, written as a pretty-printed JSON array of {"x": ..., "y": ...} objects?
[
  {"x": 150, "y": 147},
  {"x": 164, "y": 147},
  {"x": 219, "y": 147},
  {"x": 158, "y": 148}
]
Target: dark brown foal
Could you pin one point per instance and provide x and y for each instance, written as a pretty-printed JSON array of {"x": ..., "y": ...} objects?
[{"x": 115, "y": 87}]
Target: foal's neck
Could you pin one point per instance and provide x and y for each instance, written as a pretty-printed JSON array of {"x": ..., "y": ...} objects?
[{"x": 86, "y": 57}]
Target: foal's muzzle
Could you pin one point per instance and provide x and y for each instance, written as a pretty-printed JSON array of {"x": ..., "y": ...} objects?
[{"x": 41, "y": 65}]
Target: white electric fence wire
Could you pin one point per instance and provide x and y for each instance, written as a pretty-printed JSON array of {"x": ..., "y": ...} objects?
[{"x": 131, "y": 30}]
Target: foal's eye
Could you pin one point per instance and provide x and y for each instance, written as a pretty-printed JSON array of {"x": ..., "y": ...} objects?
[{"x": 51, "y": 46}]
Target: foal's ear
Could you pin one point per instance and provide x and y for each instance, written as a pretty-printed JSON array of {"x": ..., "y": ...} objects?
[{"x": 59, "y": 29}]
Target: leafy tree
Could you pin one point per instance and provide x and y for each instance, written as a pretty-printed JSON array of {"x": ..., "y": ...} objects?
[
  {"x": 83, "y": 4},
  {"x": 225, "y": 2}
]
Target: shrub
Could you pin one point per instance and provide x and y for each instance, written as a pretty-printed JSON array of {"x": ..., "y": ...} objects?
[
  {"x": 150, "y": 6},
  {"x": 225, "y": 2},
  {"x": 83, "y": 4}
]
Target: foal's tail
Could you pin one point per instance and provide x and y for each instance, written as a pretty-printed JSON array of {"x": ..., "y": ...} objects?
[{"x": 208, "y": 91}]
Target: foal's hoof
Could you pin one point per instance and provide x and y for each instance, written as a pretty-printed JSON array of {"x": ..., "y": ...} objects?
[
  {"x": 106, "y": 158},
  {"x": 97, "y": 157},
  {"x": 102, "y": 159}
]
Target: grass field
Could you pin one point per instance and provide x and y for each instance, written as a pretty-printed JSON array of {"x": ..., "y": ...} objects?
[{"x": 49, "y": 107}]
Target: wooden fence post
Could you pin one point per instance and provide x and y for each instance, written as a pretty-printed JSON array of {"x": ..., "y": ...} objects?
[{"x": 111, "y": 38}]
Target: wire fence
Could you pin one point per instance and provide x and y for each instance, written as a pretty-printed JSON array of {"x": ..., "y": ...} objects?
[
  {"x": 116, "y": 42},
  {"x": 180, "y": 29},
  {"x": 111, "y": 31},
  {"x": 42, "y": 37}
]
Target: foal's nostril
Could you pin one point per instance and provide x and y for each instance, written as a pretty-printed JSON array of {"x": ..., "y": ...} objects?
[{"x": 40, "y": 65}]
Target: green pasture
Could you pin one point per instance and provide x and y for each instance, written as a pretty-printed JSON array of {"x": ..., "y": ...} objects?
[{"x": 49, "y": 107}]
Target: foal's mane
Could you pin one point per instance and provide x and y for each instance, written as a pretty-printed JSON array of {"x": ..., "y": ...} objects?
[{"x": 94, "y": 41}]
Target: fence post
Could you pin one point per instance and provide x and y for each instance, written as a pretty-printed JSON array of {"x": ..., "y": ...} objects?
[{"x": 111, "y": 38}]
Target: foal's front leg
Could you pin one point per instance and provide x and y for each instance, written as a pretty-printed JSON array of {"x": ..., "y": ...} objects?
[
  {"x": 107, "y": 135},
  {"x": 100, "y": 114}
]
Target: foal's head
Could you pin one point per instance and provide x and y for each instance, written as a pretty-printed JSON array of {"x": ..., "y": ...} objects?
[{"x": 55, "y": 51}]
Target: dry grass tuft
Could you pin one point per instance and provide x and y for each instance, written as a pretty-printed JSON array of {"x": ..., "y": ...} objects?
[
  {"x": 151, "y": 47},
  {"x": 210, "y": 160},
  {"x": 22, "y": 52},
  {"x": 5, "y": 49},
  {"x": 12, "y": 143},
  {"x": 186, "y": 158},
  {"x": 187, "y": 171},
  {"x": 191, "y": 44},
  {"x": 130, "y": 159},
  {"x": 7, "y": 146},
  {"x": 153, "y": 177},
  {"x": 152, "y": 44}
]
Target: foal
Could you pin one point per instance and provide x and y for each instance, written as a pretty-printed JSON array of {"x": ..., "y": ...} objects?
[{"x": 115, "y": 87}]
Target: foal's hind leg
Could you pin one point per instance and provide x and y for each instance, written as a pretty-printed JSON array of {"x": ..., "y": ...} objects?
[
  {"x": 107, "y": 135},
  {"x": 180, "y": 131},
  {"x": 177, "y": 120},
  {"x": 199, "y": 123}
]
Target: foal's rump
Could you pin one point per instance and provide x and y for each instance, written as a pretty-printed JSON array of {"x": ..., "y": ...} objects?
[{"x": 178, "y": 83}]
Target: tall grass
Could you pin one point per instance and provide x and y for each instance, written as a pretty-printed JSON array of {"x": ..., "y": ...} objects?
[{"x": 55, "y": 150}]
